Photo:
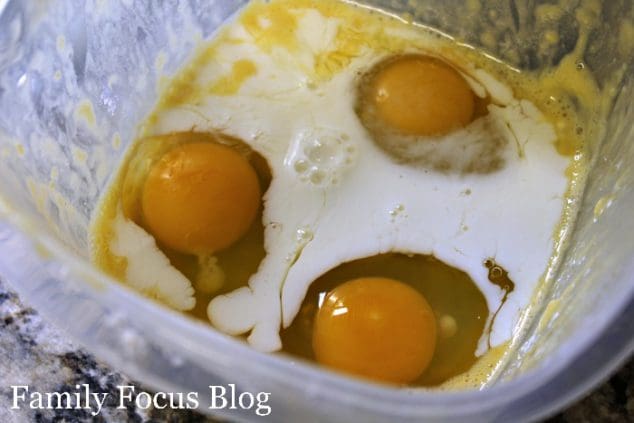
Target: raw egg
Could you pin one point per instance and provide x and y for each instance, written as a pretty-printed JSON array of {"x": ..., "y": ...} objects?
[
  {"x": 376, "y": 328},
  {"x": 421, "y": 95},
  {"x": 383, "y": 139},
  {"x": 200, "y": 198}
]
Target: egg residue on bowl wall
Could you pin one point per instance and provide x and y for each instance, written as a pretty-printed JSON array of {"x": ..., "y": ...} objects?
[{"x": 314, "y": 96}]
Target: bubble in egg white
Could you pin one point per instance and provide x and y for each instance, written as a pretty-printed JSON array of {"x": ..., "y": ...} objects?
[
  {"x": 320, "y": 156},
  {"x": 303, "y": 236}
]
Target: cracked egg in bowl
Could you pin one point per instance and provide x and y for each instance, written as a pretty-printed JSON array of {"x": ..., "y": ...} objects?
[{"x": 341, "y": 186}]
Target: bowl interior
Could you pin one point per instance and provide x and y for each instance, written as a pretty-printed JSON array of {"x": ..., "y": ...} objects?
[{"x": 75, "y": 80}]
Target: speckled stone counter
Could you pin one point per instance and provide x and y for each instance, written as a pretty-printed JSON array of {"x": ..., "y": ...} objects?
[{"x": 34, "y": 353}]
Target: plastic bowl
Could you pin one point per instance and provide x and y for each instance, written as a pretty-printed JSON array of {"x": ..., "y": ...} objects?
[{"x": 65, "y": 63}]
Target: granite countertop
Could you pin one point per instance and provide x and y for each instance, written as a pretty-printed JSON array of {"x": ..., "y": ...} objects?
[{"x": 34, "y": 353}]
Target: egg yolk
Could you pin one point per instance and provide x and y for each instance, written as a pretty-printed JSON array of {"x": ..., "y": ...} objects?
[
  {"x": 200, "y": 198},
  {"x": 421, "y": 95},
  {"x": 376, "y": 328}
]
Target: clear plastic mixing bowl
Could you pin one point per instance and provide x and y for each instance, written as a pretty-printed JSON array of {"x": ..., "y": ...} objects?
[{"x": 76, "y": 78}]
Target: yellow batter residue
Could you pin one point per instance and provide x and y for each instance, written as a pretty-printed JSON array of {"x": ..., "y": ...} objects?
[{"x": 230, "y": 84}]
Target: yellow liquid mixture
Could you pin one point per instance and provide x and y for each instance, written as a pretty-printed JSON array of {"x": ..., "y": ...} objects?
[{"x": 459, "y": 306}]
